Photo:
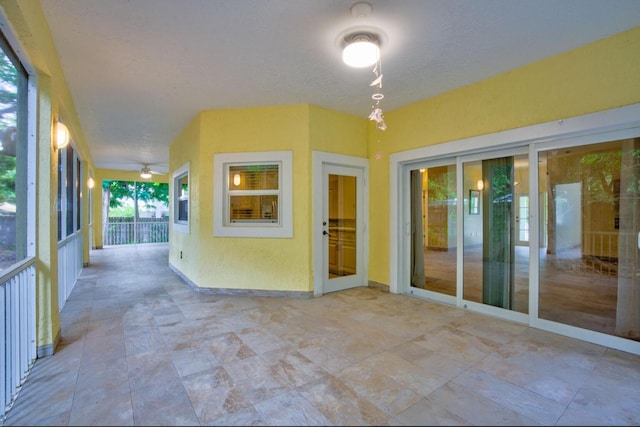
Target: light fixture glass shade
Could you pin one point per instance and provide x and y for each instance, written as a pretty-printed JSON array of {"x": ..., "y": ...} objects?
[
  {"x": 62, "y": 135},
  {"x": 361, "y": 54},
  {"x": 236, "y": 179},
  {"x": 145, "y": 173},
  {"x": 480, "y": 184},
  {"x": 90, "y": 183}
]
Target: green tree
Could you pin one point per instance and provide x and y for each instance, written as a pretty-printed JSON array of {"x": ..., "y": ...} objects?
[
  {"x": 7, "y": 179},
  {"x": 114, "y": 193},
  {"x": 147, "y": 192},
  {"x": 442, "y": 186},
  {"x": 8, "y": 102}
]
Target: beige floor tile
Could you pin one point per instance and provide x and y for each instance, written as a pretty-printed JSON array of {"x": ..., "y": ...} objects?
[
  {"x": 243, "y": 417},
  {"x": 475, "y": 408},
  {"x": 290, "y": 409},
  {"x": 108, "y": 408},
  {"x": 213, "y": 395},
  {"x": 293, "y": 366},
  {"x": 340, "y": 404},
  {"x": 228, "y": 348},
  {"x": 376, "y": 387},
  {"x": 168, "y": 405},
  {"x": 421, "y": 381},
  {"x": 139, "y": 346},
  {"x": 531, "y": 405},
  {"x": 426, "y": 413}
]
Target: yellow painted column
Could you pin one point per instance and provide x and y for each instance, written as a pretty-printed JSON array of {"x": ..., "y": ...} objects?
[
  {"x": 47, "y": 317},
  {"x": 97, "y": 219},
  {"x": 86, "y": 226}
]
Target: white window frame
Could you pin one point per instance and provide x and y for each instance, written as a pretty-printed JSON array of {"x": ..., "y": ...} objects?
[
  {"x": 222, "y": 225},
  {"x": 181, "y": 226}
]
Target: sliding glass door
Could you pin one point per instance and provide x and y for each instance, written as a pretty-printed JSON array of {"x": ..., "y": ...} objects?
[
  {"x": 544, "y": 230},
  {"x": 433, "y": 196},
  {"x": 587, "y": 234},
  {"x": 495, "y": 262},
  {"x": 590, "y": 251}
]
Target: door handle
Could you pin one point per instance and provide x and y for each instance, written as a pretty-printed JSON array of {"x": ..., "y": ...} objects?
[{"x": 324, "y": 232}]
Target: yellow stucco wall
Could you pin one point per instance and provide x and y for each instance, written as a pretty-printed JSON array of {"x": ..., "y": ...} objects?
[
  {"x": 337, "y": 133},
  {"x": 595, "y": 77},
  {"x": 186, "y": 149},
  {"x": 283, "y": 264}
]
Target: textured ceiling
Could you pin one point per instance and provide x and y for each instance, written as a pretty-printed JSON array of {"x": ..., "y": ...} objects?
[{"x": 140, "y": 70}]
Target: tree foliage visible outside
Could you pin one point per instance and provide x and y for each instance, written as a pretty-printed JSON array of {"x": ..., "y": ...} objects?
[
  {"x": 146, "y": 192},
  {"x": 442, "y": 186},
  {"x": 7, "y": 179},
  {"x": 8, "y": 102},
  {"x": 115, "y": 203}
]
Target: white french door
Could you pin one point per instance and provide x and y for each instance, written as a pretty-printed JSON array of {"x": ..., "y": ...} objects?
[{"x": 340, "y": 228}]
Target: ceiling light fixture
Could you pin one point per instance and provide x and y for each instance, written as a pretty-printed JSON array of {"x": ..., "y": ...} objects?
[
  {"x": 361, "y": 50},
  {"x": 145, "y": 173}
]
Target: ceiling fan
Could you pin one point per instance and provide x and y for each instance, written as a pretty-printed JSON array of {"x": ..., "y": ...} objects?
[{"x": 146, "y": 172}]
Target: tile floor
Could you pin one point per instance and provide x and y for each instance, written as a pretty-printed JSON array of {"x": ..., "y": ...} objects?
[{"x": 139, "y": 347}]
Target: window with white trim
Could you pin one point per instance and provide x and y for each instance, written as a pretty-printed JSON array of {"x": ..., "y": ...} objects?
[
  {"x": 253, "y": 194},
  {"x": 181, "y": 199}
]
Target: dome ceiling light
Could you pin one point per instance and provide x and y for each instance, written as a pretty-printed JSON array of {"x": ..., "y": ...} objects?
[{"x": 361, "y": 50}]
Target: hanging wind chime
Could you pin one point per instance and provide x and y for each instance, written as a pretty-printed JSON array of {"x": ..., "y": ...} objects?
[{"x": 376, "y": 111}]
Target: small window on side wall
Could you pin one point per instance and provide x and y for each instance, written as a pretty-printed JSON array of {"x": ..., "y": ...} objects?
[
  {"x": 180, "y": 182},
  {"x": 253, "y": 194}
]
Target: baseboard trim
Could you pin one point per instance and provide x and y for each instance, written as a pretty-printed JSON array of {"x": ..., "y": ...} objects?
[
  {"x": 240, "y": 292},
  {"x": 377, "y": 285}
]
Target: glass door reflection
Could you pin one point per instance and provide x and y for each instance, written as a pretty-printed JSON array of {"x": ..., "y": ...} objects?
[
  {"x": 433, "y": 229},
  {"x": 496, "y": 253},
  {"x": 342, "y": 226},
  {"x": 590, "y": 232}
]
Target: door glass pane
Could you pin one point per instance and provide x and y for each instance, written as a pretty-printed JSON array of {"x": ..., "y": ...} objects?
[
  {"x": 433, "y": 229},
  {"x": 589, "y": 252},
  {"x": 496, "y": 264},
  {"x": 342, "y": 225},
  {"x": 523, "y": 219}
]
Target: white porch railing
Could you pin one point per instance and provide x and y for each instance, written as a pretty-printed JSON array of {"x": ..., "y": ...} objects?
[
  {"x": 18, "y": 349},
  {"x": 18, "y": 330},
  {"x": 143, "y": 231}
]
